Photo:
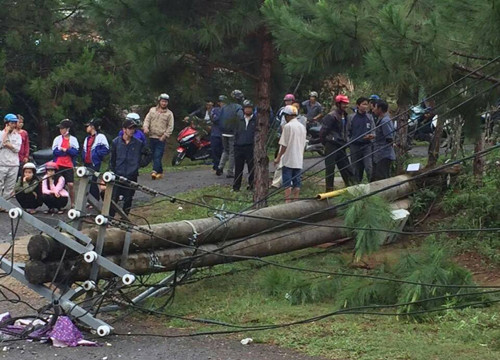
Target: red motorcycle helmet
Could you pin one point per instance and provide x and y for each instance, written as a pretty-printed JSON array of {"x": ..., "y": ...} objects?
[
  {"x": 342, "y": 99},
  {"x": 51, "y": 166}
]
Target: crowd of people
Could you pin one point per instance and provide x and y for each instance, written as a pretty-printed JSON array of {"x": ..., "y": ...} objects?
[
  {"x": 128, "y": 152},
  {"x": 367, "y": 130},
  {"x": 230, "y": 124}
]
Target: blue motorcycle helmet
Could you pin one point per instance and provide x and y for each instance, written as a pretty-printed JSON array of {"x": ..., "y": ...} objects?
[
  {"x": 10, "y": 118},
  {"x": 374, "y": 97}
]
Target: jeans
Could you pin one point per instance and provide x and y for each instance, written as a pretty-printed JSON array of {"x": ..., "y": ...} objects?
[
  {"x": 128, "y": 195},
  {"x": 291, "y": 177},
  {"x": 243, "y": 154},
  {"x": 216, "y": 148},
  {"x": 361, "y": 160},
  {"x": 339, "y": 158},
  {"x": 158, "y": 148},
  {"x": 227, "y": 154}
]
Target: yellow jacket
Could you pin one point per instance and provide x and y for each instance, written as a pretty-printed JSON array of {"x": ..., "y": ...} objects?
[{"x": 159, "y": 122}]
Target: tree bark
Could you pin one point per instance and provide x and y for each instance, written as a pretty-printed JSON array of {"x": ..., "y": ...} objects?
[
  {"x": 456, "y": 137},
  {"x": 478, "y": 165},
  {"x": 433, "y": 154},
  {"x": 261, "y": 160},
  {"x": 402, "y": 133}
]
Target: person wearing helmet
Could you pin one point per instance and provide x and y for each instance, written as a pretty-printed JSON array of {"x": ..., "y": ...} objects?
[
  {"x": 216, "y": 132},
  {"x": 243, "y": 146},
  {"x": 9, "y": 159},
  {"x": 54, "y": 194},
  {"x": 158, "y": 126},
  {"x": 373, "y": 101},
  {"x": 229, "y": 118},
  {"x": 361, "y": 132},
  {"x": 138, "y": 134},
  {"x": 95, "y": 149},
  {"x": 314, "y": 110},
  {"x": 291, "y": 154},
  {"x": 66, "y": 149},
  {"x": 288, "y": 99},
  {"x": 29, "y": 189},
  {"x": 333, "y": 135},
  {"x": 126, "y": 159}
]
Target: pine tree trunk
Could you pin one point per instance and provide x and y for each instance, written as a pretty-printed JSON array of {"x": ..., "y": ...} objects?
[
  {"x": 402, "y": 134},
  {"x": 44, "y": 138},
  {"x": 433, "y": 154},
  {"x": 456, "y": 138},
  {"x": 478, "y": 166},
  {"x": 261, "y": 160}
]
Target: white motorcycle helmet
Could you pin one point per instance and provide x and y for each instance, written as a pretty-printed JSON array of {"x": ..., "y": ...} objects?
[{"x": 136, "y": 118}]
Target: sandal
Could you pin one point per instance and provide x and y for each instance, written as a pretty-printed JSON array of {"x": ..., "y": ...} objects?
[
  {"x": 31, "y": 211},
  {"x": 59, "y": 211}
]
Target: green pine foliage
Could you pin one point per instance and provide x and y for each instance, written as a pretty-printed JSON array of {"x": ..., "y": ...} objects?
[{"x": 368, "y": 214}]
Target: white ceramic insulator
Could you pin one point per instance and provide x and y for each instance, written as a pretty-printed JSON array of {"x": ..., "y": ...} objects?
[
  {"x": 90, "y": 256},
  {"x": 74, "y": 214},
  {"x": 128, "y": 279},
  {"x": 101, "y": 220},
  {"x": 103, "y": 330},
  {"x": 14, "y": 213},
  {"x": 82, "y": 171},
  {"x": 88, "y": 285},
  {"x": 108, "y": 176}
]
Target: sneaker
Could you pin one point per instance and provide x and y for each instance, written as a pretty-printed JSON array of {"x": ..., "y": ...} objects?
[
  {"x": 218, "y": 172},
  {"x": 250, "y": 188},
  {"x": 159, "y": 176},
  {"x": 229, "y": 176},
  {"x": 235, "y": 190},
  {"x": 154, "y": 175}
]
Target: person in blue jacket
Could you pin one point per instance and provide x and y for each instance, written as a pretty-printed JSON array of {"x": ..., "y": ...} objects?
[
  {"x": 95, "y": 148},
  {"x": 139, "y": 134}
]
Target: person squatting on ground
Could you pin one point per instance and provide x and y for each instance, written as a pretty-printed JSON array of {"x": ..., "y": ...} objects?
[
  {"x": 158, "y": 125},
  {"x": 24, "y": 152},
  {"x": 333, "y": 135},
  {"x": 126, "y": 153},
  {"x": 230, "y": 116},
  {"x": 54, "y": 195},
  {"x": 94, "y": 150},
  {"x": 9, "y": 159},
  {"x": 66, "y": 149},
  {"x": 29, "y": 189},
  {"x": 384, "y": 154},
  {"x": 360, "y": 128},
  {"x": 291, "y": 153},
  {"x": 216, "y": 132},
  {"x": 243, "y": 146}
]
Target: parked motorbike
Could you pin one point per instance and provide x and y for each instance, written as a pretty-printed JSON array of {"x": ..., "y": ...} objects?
[
  {"x": 191, "y": 145},
  {"x": 313, "y": 142},
  {"x": 40, "y": 157}
]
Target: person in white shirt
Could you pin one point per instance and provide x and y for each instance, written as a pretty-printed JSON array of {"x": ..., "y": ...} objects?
[
  {"x": 291, "y": 153},
  {"x": 10, "y": 144}
]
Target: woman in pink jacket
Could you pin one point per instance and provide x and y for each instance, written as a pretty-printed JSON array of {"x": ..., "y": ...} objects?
[{"x": 54, "y": 195}]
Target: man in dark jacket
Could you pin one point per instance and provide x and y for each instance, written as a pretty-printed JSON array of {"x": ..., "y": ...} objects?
[
  {"x": 361, "y": 134},
  {"x": 216, "y": 132},
  {"x": 333, "y": 135},
  {"x": 126, "y": 153},
  {"x": 383, "y": 152},
  {"x": 243, "y": 146},
  {"x": 229, "y": 118}
]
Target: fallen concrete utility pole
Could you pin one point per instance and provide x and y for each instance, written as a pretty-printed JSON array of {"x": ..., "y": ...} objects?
[
  {"x": 210, "y": 230},
  {"x": 142, "y": 263}
]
